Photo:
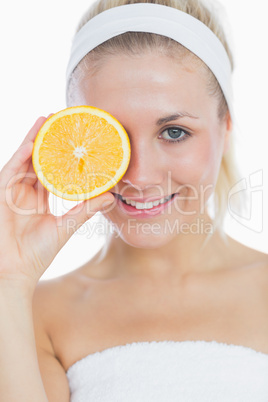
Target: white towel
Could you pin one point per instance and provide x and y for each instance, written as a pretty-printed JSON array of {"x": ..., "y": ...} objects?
[{"x": 170, "y": 371}]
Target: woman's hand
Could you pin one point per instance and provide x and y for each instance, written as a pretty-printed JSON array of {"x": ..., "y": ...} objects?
[{"x": 30, "y": 235}]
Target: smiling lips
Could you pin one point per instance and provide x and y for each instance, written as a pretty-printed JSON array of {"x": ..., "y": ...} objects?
[{"x": 139, "y": 205}]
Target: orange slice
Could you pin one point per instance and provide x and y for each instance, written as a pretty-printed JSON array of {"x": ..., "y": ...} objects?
[{"x": 80, "y": 152}]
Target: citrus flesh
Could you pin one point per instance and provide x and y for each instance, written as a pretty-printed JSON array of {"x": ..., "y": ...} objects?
[{"x": 80, "y": 152}]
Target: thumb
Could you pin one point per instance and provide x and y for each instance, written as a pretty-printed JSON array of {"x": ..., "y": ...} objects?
[{"x": 77, "y": 216}]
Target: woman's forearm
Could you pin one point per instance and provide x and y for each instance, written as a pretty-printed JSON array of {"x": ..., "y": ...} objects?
[{"x": 20, "y": 378}]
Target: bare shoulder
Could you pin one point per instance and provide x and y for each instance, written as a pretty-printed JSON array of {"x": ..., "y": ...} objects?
[
  {"x": 51, "y": 291},
  {"x": 51, "y": 297},
  {"x": 244, "y": 254},
  {"x": 252, "y": 264}
]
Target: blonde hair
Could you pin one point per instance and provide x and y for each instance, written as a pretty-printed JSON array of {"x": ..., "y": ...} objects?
[{"x": 135, "y": 43}]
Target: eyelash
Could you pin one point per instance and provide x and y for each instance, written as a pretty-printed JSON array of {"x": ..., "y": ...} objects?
[{"x": 187, "y": 134}]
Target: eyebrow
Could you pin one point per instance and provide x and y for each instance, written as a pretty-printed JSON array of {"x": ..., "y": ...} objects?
[{"x": 175, "y": 116}]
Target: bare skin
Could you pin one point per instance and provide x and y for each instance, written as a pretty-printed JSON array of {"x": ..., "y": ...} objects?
[
  {"x": 164, "y": 286},
  {"x": 95, "y": 312}
]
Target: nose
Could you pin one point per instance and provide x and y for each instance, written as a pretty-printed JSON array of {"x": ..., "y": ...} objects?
[{"x": 144, "y": 170}]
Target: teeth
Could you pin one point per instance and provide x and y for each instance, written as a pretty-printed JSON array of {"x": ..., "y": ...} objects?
[{"x": 146, "y": 205}]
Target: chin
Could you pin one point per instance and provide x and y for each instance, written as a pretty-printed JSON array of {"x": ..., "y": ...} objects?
[{"x": 146, "y": 240}]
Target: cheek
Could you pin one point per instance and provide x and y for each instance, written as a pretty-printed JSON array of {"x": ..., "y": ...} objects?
[{"x": 198, "y": 163}]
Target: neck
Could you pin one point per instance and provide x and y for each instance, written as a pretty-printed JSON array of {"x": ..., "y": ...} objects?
[{"x": 183, "y": 255}]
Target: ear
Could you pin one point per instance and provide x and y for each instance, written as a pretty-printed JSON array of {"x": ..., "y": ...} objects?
[{"x": 228, "y": 128}]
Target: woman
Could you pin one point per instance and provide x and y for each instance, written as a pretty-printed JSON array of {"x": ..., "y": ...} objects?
[{"x": 176, "y": 308}]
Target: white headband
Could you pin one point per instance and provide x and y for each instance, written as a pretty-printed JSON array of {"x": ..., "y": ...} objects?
[{"x": 157, "y": 19}]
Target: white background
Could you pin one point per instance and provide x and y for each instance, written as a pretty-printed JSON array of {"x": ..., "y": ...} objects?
[{"x": 35, "y": 43}]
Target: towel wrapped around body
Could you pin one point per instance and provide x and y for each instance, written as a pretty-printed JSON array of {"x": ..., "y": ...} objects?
[{"x": 171, "y": 371}]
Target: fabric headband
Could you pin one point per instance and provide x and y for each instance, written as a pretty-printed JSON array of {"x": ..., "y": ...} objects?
[{"x": 157, "y": 19}]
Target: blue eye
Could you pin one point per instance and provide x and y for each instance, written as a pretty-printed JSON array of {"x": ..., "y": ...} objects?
[{"x": 174, "y": 134}]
